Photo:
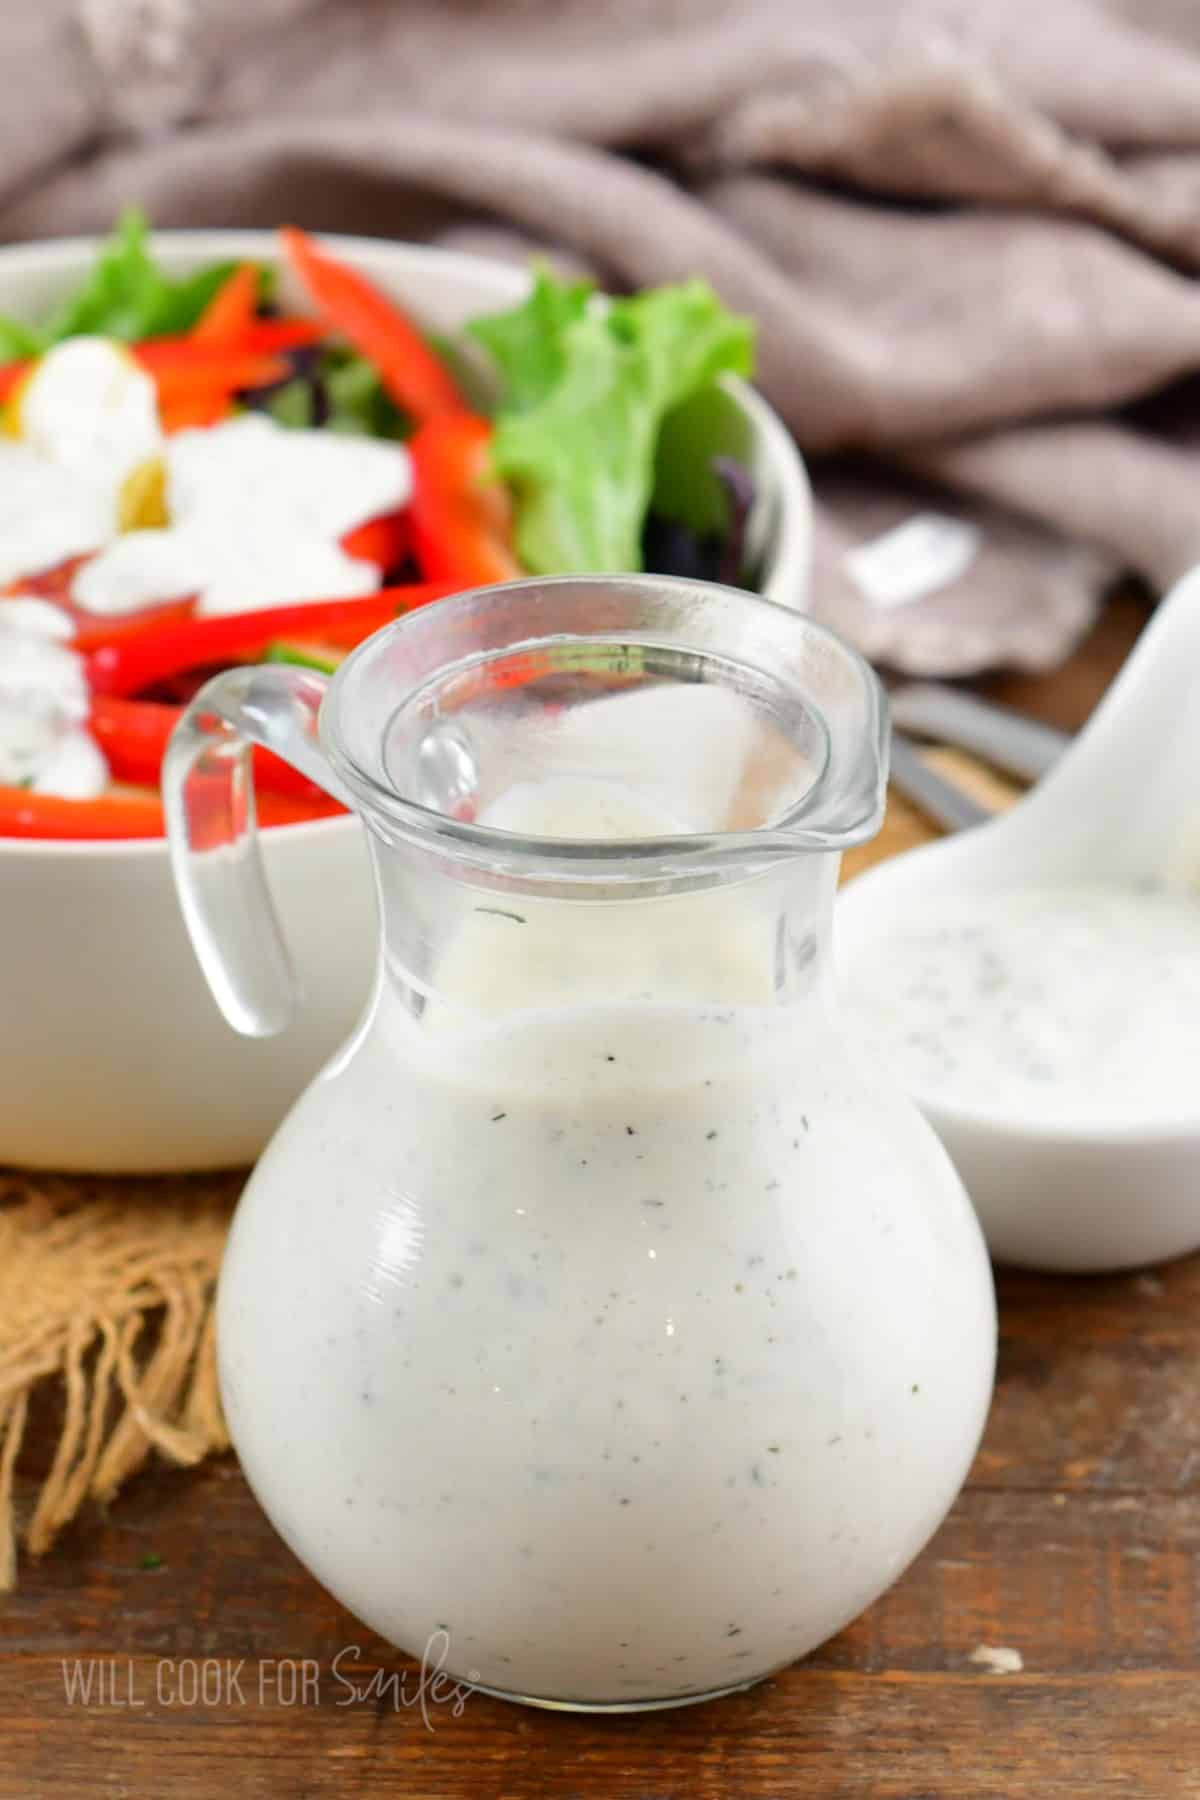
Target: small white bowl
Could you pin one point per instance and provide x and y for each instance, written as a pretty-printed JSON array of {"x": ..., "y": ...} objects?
[
  {"x": 1122, "y": 806},
  {"x": 113, "y": 1057}
]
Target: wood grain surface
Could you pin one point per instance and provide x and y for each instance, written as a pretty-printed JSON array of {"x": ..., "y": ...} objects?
[{"x": 1075, "y": 1544}]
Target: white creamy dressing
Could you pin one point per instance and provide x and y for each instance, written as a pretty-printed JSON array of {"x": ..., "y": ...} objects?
[
  {"x": 47, "y": 513},
  {"x": 256, "y": 513},
  {"x": 325, "y": 482},
  {"x": 561, "y": 806},
  {"x": 75, "y": 768},
  {"x": 29, "y": 613},
  {"x": 1060, "y": 1004},
  {"x": 234, "y": 564},
  {"x": 493, "y": 960},
  {"x": 83, "y": 421},
  {"x": 88, "y": 407},
  {"x": 634, "y": 1343},
  {"x": 44, "y": 706},
  {"x": 678, "y": 750}
]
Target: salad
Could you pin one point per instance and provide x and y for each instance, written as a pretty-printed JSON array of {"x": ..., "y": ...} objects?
[{"x": 191, "y": 478}]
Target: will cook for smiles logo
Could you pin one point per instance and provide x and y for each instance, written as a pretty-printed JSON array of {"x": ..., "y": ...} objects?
[{"x": 189, "y": 1683}]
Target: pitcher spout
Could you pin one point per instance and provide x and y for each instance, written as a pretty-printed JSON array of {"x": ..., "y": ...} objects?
[{"x": 671, "y": 719}]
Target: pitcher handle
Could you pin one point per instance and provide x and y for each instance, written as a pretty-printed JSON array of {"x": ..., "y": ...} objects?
[{"x": 208, "y": 796}]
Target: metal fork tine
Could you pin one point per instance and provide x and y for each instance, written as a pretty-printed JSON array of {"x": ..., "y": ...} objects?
[
  {"x": 945, "y": 803},
  {"x": 1020, "y": 746}
]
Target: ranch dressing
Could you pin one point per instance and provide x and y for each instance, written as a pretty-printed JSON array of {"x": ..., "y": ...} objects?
[
  {"x": 256, "y": 514},
  {"x": 48, "y": 512},
  {"x": 88, "y": 408},
  {"x": 231, "y": 563},
  {"x": 591, "y": 953},
  {"x": 44, "y": 705},
  {"x": 592, "y": 1310},
  {"x": 1058, "y": 1004}
]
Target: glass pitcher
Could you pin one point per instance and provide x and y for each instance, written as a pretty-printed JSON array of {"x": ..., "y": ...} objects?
[{"x": 593, "y": 1315}]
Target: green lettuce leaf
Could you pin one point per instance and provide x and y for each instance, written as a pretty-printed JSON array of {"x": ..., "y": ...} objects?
[
  {"x": 578, "y": 446},
  {"x": 526, "y": 344},
  {"x": 17, "y": 341},
  {"x": 706, "y": 426},
  {"x": 125, "y": 296}
]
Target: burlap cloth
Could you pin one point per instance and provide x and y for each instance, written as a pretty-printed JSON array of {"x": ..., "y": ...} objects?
[
  {"x": 106, "y": 1296},
  {"x": 106, "y": 1315}
]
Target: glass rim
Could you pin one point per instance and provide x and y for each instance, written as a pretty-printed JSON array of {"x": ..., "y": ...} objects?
[{"x": 820, "y": 820}]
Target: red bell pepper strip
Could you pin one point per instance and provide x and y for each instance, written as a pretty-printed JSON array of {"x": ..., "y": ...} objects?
[
  {"x": 265, "y": 337},
  {"x": 193, "y": 412},
  {"x": 232, "y": 309},
  {"x": 461, "y": 515},
  {"x": 213, "y": 827},
  {"x": 270, "y": 335},
  {"x": 53, "y": 584},
  {"x": 413, "y": 374},
  {"x": 290, "y": 809},
  {"x": 95, "y": 629},
  {"x": 56, "y": 585},
  {"x": 26, "y": 815},
  {"x": 383, "y": 541},
  {"x": 344, "y": 624},
  {"x": 233, "y": 370},
  {"x": 126, "y": 665},
  {"x": 129, "y": 815},
  {"x": 134, "y": 734}
]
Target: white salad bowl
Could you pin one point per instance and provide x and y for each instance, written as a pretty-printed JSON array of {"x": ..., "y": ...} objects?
[{"x": 113, "y": 1057}]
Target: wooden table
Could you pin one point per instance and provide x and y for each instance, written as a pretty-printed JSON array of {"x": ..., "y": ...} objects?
[{"x": 1073, "y": 1544}]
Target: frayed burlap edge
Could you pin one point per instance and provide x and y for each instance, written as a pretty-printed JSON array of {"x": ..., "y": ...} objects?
[{"x": 106, "y": 1287}]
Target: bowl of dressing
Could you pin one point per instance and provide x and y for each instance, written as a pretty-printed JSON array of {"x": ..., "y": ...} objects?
[
  {"x": 1035, "y": 982},
  {"x": 115, "y": 1059}
]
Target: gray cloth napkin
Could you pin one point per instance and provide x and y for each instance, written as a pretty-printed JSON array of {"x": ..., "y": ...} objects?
[{"x": 967, "y": 231}]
